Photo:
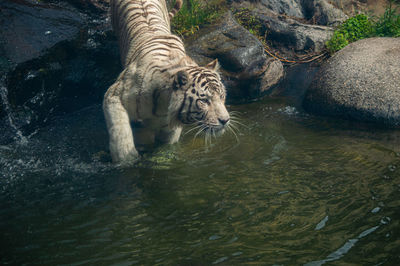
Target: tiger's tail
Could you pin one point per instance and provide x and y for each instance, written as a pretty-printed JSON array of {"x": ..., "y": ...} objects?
[{"x": 175, "y": 10}]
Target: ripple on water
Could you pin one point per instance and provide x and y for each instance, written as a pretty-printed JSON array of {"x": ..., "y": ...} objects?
[{"x": 343, "y": 250}]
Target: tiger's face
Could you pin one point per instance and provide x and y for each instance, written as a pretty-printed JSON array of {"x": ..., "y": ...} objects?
[{"x": 203, "y": 98}]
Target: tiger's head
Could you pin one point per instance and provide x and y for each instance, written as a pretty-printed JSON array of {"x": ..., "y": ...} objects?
[{"x": 201, "y": 97}]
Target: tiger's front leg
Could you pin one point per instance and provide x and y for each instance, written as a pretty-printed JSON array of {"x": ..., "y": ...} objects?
[{"x": 122, "y": 147}]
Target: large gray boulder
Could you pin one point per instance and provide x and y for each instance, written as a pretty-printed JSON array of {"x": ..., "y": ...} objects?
[
  {"x": 246, "y": 70},
  {"x": 360, "y": 82}
]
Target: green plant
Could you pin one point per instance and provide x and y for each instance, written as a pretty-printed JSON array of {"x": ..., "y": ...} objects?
[
  {"x": 388, "y": 24},
  {"x": 357, "y": 28},
  {"x": 361, "y": 26},
  {"x": 337, "y": 42},
  {"x": 194, "y": 14},
  {"x": 353, "y": 29}
]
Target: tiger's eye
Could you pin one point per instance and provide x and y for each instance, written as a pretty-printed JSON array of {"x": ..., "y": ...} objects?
[{"x": 205, "y": 101}]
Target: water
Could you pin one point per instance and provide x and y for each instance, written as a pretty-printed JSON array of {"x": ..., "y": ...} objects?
[
  {"x": 294, "y": 190},
  {"x": 19, "y": 137}
]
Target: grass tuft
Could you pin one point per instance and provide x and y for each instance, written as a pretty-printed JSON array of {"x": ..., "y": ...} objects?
[
  {"x": 194, "y": 14},
  {"x": 388, "y": 24}
]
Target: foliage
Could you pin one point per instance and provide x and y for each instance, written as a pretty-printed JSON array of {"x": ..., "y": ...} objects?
[
  {"x": 337, "y": 42},
  {"x": 353, "y": 29},
  {"x": 361, "y": 26},
  {"x": 388, "y": 24},
  {"x": 194, "y": 14}
]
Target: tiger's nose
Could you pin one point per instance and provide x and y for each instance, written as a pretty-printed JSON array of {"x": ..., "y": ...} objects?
[{"x": 223, "y": 121}]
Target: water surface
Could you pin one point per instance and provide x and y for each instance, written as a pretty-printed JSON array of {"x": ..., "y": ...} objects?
[{"x": 293, "y": 189}]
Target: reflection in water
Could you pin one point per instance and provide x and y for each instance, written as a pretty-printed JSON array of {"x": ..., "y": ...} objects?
[
  {"x": 337, "y": 254},
  {"x": 294, "y": 190},
  {"x": 322, "y": 224}
]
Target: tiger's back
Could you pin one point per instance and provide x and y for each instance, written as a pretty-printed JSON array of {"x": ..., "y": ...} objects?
[{"x": 143, "y": 26}]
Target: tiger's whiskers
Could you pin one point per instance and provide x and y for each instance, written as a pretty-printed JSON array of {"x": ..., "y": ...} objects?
[
  {"x": 192, "y": 129},
  {"x": 211, "y": 133}
]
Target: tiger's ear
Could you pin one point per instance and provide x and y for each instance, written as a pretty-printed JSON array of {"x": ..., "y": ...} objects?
[
  {"x": 181, "y": 79},
  {"x": 213, "y": 65}
]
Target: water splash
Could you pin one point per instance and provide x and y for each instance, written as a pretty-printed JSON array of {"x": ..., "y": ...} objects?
[
  {"x": 71, "y": 146},
  {"x": 288, "y": 110},
  {"x": 19, "y": 137}
]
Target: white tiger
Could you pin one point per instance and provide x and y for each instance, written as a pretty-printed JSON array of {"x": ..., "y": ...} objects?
[{"x": 160, "y": 88}]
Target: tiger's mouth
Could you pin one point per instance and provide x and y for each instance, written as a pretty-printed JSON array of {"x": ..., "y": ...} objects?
[
  {"x": 215, "y": 129},
  {"x": 207, "y": 129}
]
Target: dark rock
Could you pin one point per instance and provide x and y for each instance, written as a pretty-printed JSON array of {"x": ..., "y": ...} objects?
[
  {"x": 246, "y": 70},
  {"x": 322, "y": 12},
  {"x": 29, "y": 28},
  {"x": 97, "y": 6},
  {"x": 70, "y": 77},
  {"x": 299, "y": 25},
  {"x": 319, "y": 12},
  {"x": 289, "y": 33},
  {"x": 55, "y": 73},
  {"x": 297, "y": 79},
  {"x": 360, "y": 82},
  {"x": 291, "y": 8}
]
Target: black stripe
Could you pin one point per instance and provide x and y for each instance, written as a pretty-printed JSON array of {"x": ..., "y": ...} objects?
[
  {"x": 189, "y": 108},
  {"x": 181, "y": 108},
  {"x": 156, "y": 96},
  {"x": 194, "y": 71}
]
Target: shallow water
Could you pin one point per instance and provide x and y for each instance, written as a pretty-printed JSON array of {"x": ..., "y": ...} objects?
[{"x": 294, "y": 189}]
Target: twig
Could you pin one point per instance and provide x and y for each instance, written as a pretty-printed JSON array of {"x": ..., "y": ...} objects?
[{"x": 293, "y": 61}]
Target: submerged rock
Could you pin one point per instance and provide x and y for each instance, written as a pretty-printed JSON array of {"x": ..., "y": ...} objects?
[
  {"x": 246, "y": 70},
  {"x": 360, "y": 82}
]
